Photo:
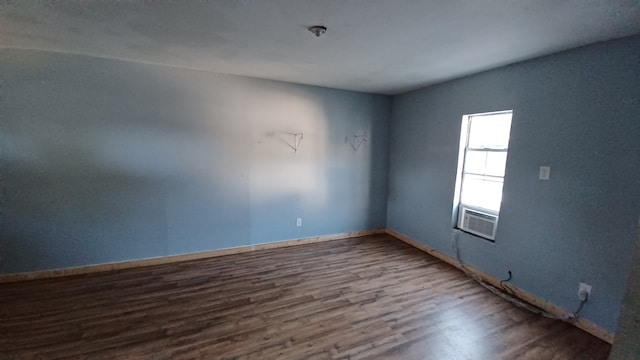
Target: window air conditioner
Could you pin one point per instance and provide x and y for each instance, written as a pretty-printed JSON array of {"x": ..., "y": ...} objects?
[{"x": 478, "y": 222}]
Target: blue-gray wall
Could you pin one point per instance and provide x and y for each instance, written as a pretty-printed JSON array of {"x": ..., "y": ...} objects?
[
  {"x": 578, "y": 112},
  {"x": 103, "y": 161}
]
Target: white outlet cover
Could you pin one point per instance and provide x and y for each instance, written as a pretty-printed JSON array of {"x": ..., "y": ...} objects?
[
  {"x": 545, "y": 172},
  {"x": 299, "y": 222},
  {"x": 584, "y": 287}
]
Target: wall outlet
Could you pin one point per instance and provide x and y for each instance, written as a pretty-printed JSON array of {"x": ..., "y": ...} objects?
[
  {"x": 545, "y": 172},
  {"x": 299, "y": 222},
  {"x": 584, "y": 291}
]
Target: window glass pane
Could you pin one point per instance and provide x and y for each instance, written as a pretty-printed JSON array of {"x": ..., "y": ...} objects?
[
  {"x": 475, "y": 161},
  {"x": 485, "y": 162},
  {"x": 490, "y": 131},
  {"x": 496, "y": 163},
  {"x": 485, "y": 158},
  {"x": 481, "y": 192}
]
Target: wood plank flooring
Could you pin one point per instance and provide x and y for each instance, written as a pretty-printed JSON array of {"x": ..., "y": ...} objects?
[{"x": 365, "y": 298}]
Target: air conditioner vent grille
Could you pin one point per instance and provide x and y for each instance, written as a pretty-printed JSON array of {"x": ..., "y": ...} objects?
[{"x": 478, "y": 223}]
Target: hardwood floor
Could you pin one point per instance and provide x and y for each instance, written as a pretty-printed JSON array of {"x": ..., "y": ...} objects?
[{"x": 366, "y": 298}]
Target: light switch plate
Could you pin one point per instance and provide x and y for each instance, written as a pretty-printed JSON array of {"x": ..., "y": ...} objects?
[{"x": 545, "y": 172}]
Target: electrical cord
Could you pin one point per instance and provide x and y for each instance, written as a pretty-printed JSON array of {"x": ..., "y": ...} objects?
[
  {"x": 576, "y": 314},
  {"x": 504, "y": 287},
  {"x": 507, "y": 279},
  {"x": 509, "y": 296}
]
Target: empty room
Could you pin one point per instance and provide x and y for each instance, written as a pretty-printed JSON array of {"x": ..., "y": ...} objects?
[{"x": 286, "y": 179}]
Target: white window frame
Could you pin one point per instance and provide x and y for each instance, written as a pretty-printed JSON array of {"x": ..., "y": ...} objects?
[{"x": 461, "y": 173}]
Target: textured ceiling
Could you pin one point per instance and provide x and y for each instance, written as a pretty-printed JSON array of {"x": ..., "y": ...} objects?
[{"x": 378, "y": 46}]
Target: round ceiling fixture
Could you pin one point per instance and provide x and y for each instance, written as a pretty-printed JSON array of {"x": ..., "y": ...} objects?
[{"x": 317, "y": 30}]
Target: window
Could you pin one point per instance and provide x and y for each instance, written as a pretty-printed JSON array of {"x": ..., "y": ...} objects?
[{"x": 483, "y": 157}]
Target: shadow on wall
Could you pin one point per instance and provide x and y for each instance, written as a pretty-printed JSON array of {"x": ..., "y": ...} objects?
[
  {"x": 106, "y": 161},
  {"x": 98, "y": 154}
]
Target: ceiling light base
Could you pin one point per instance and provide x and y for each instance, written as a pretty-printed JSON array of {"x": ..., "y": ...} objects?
[{"x": 317, "y": 30}]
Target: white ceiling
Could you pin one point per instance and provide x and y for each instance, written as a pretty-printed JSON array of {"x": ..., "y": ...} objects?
[{"x": 378, "y": 46}]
